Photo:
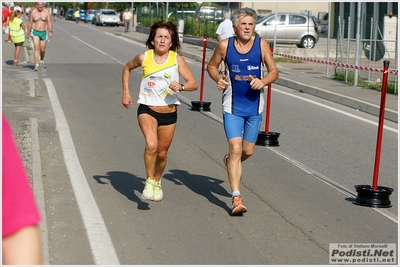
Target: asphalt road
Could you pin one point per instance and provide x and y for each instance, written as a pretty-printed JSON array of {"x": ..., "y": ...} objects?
[{"x": 91, "y": 155}]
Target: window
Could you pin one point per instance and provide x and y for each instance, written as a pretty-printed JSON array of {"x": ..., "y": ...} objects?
[
  {"x": 293, "y": 19},
  {"x": 280, "y": 20}
]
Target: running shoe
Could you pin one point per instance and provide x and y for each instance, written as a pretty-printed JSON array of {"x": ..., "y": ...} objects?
[
  {"x": 36, "y": 67},
  {"x": 237, "y": 206},
  {"x": 42, "y": 65},
  {"x": 225, "y": 159},
  {"x": 148, "y": 191},
  {"x": 158, "y": 193}
]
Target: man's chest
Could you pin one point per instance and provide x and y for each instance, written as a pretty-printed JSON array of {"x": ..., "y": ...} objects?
[{"x": 39, "y": 16}]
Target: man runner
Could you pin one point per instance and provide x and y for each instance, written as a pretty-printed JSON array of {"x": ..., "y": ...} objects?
[{"x": 40, "y": 29}]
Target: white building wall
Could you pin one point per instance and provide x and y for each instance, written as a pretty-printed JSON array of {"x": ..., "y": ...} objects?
[{"x": 265, "y": 8}]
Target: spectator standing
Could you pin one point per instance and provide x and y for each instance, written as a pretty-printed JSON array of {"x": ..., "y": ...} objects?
[
  {"x": 21, "y": 243},
  {"x": 17, "y": 32},
  {"x": 55, "y": 12},
  {"x": 245, "y": 55},
  {"x": 5, "y": 15},
  {"x": 77, "y": 16},
  {"x": 40, "y": 28},
  {"x": 224, "y": 31},
  {"x": 11, "y": 11},
  {"x": 61, "y": 12},
  {"x": 158, "y": 101},
  {"x": 127, "y": 18}
]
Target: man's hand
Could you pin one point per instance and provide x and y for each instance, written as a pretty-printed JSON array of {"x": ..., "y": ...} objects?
[
  {"x": 255, "y": 83},
  {"x": 222, "y": 83}
]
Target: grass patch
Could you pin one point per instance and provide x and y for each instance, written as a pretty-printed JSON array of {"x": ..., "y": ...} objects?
[
  {"x": 340, "y": 75},
  {"x": 286, "y": 60}
]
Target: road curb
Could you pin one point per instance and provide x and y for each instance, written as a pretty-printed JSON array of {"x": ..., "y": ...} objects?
[{"x": 39, "y": 189}]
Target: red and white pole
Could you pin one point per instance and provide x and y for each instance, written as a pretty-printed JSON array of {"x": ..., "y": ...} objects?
[
  {"x": 380, "y": 125},
  {"x": 200, "y": 105},
  {"x": 377, "y": 196},
  {"x": 268, "y": 138}
]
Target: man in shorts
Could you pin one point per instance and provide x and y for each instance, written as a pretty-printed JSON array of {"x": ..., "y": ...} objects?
[
  {"x": 40, "y": 29},
  {"x": 243, "y": 94}
]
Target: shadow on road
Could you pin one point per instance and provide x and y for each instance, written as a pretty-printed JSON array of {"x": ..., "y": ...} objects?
[
  {"x": 126, "y": 184},
  {"x": 203, "y": 185}
]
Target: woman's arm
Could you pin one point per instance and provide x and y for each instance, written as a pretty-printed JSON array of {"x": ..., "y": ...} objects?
[
  {"x": 184, "y": 70},
  {"x": 126, "y": 75}
]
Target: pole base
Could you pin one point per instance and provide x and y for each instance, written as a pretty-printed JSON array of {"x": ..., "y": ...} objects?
[
  {"x": 201, "y": 106},
  {"x": 267, "y": 139},
  {"x": 368, "y": 197}
]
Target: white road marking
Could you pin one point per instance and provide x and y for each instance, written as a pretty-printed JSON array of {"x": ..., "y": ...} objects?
[{"x": 99, "y": 239}]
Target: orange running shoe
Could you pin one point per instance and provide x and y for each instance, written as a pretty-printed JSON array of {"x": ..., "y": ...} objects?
[{"x": 237, "y": 206}]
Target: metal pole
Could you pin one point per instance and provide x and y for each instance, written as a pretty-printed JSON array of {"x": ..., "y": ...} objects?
[
  {"x": 133, "y": 12},
  {"x": 328, "y": 45},
  {"x": 348, "y": 45},
  {"x": 395, "y": 57},
  {"x": 357, "y": 42},
  {"x": 276, "y": 15},
  {"x": 370, "y": 49},
  {"x": 166, "y": 11}
]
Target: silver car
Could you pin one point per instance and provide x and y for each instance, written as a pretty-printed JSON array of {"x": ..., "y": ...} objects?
[
  {"x": 291, "y": 28},
  {"x": 107, "y": 17}
]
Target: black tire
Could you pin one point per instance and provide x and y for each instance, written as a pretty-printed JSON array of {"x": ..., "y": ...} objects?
[{"x": 308, "y": 42}]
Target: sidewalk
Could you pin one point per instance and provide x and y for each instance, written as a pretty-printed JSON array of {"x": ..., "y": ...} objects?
[{"x": 306, "y": 77}]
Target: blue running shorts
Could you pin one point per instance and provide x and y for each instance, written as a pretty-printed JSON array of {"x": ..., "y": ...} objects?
[{"x": 238, "y": 126}]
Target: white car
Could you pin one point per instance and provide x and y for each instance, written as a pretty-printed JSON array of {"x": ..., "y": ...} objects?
[
  {"x": 291, "y": 28},
  {"x": 107, "y": 17}
]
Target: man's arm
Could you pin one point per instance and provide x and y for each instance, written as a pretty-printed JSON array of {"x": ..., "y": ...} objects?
[
  {"x": 216, "y": 59},
  {"x": 269, "y": 61},
  {"x": 49, "y": 25}
]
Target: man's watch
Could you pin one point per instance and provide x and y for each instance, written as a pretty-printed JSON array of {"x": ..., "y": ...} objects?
[{"x": 183, "y": 87}]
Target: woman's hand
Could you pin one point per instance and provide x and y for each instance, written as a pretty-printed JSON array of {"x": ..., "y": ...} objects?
[
  {"x": 127, "y": 100},
  {"x": 175, "y": 86}
]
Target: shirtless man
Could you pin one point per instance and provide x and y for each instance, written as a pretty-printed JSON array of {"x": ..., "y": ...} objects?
[{"x": 40, "y": 28}]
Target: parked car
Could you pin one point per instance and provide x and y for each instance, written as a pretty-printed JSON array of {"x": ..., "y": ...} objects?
[
  {"x": 70, "y": 14},
  {"x": 317, "y": 24},
  {"x": 96, "y": 12},
  {"x": 211, "y": 13},
  {"x": 107, "y": 17},
  {"x": 291, "y": 28},
  {"x": 82, "y": 14},
  {"x": 185, "y": 14},
  {"x": 89, "y": 15}
]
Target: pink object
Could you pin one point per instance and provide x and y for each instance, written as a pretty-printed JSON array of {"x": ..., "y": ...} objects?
[{"x": 19, "y": 205}]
